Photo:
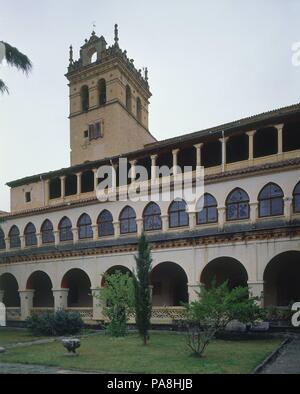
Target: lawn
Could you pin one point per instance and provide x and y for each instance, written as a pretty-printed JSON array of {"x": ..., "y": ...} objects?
[
  {"x": 9, "y": 336},
  {"x": 166, "y": 353}
]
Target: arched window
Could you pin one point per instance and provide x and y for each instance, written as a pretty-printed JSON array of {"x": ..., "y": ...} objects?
[
  {"x": 85, "y": 99},
  {"x": 14, "y": 237},
  {"x": 84, "y": 225},
  {"x": 237, "y": 205},
  {"x": 271, "y": 201},
  {"x": 65, "y": 230},
  {"x": 178, "y": 216},
  {"x": 207, "y": 211},
  {"x": 102, "y": 91},
  {"x": 105, "y": 224},
  {"x": 30, "y": 235},
  {"x": 2, "y": 240},
  {"x": 128, "y": 98},
  {"x": 152, "y": 217},
  {"x": 128, "y": 221},
  {"x": 47, "y": 232},
  {"x": 139, "y": 109},
  {"x": 296, "y": 199}
]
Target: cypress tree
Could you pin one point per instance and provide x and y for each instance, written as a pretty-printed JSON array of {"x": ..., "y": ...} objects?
[{"x": 143, "y": 302}]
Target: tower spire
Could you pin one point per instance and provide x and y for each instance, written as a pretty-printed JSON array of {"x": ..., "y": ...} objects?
[
  {"x": 116, "y": 35},
  {"x": 71, "y": 55}
]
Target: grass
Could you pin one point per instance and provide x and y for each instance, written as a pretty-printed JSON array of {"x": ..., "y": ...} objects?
[
  {"x": 9, "y": 336},
  {"x": 166, "y": 353}
]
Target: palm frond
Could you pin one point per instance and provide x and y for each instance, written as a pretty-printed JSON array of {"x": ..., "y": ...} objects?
[
  {"x": 3, "y": 87},
  {"x": 17, "y": 59}
]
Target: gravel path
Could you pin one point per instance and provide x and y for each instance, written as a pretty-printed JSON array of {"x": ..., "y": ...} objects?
[
  {"x": 288, "y": 362},
  {"x": 35, "y": 369}
]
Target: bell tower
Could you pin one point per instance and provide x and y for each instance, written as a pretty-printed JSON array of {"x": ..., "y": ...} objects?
[{"x": 109, "y": 101}]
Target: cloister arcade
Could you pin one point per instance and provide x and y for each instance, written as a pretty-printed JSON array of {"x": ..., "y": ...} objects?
[{"x": 172, "y": 283}]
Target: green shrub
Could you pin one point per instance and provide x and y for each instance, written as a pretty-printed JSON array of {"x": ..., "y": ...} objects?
[
  {"x": 118, "y": 299},
  {"x": 55, "y": 324}
]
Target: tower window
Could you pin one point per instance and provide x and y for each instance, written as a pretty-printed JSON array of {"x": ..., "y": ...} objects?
[
  {"x": 94, "y": 132},
  {"x": 128, "y": 98},
  {"x": 27, "y": 197},
  {"x": 139, "y": 109},
  {"x": 102, "y": 91},
  {"x": 85, "y": 99}
]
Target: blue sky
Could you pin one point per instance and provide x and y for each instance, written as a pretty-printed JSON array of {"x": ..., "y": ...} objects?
[{"x": 209, "y": 62}]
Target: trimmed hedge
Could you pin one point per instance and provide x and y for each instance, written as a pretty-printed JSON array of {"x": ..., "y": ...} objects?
[{"x": 55, "y": 324}]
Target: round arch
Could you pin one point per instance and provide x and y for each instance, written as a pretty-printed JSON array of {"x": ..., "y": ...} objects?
[
  {"x": 113, "y": 270},
  {"x": 41, "y": 283},
  {"x": 170, "y": 284},
  {"x": 79, "y": 285},
  {"x": 9, "y": 284},
  {"x": 281, "y": 279},
  {"x": 224, "y": 269}
]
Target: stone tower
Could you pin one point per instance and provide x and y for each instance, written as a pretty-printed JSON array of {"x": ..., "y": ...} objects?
[{"x": 109, "y": 101}]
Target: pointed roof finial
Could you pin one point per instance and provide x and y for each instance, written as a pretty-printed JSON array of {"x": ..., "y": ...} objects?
[
  {"x": 116, "y": 35},
  {"x": 71, "y": 55}
]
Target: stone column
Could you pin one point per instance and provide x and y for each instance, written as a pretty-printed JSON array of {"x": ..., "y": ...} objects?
[
  {"x": 39, "y": 240},
  {"x": 56, "y": 237},
  {"x": 175, "y": 160},
  {"x": 153, "y": 167},
  {"x": 7, "y": 243},
  {"x": 222, "y": 217},
  {"x": 193, "y": 289},
  {"x": 117, "y": 229},
  {"x": 22, "y": 239},
  {"x": 253, "y": 212},
  {"x": 140, "y": 226},
  {"x": 63, "y": 186},
  {"x": 192, "y": 220},
  {"x": 223, "y": 141},
  {"x": 1, "y": 295},
  {"x": 251, "y": 144},
  {"x": 288, "y": 208},
  {"x": 280, "y": 138},
  {"x": 198, "y": 154},
  {"x": 95, "y": 179},
  {"x": 26, "y": 297},
  {"x": 256, "y": 289},
  {"x": 97, "y": 305},
  {"x": 95, "y": 232},
  {"x": 165, "y": 223},
  {"x": 133, "y": 170},
  {"x": 47, "y": 191},
  {"x": 75, "y": 235},
  {"x": 60, "y": 299},
  {"x": 79, "y": 182}
]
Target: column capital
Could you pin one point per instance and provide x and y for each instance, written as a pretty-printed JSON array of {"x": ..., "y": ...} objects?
[
  {"x": 154, "y": 157},
  {"x": 223, "y": 139},
  {"x": 27, "y": 292},
  {"x": 60, "y": 290},
  {"x": 251, "y": 133},
  {"x": 175, "y": 151},
  {"x": 279, "y": 126},
  {"x": 199, "y": 146}
]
